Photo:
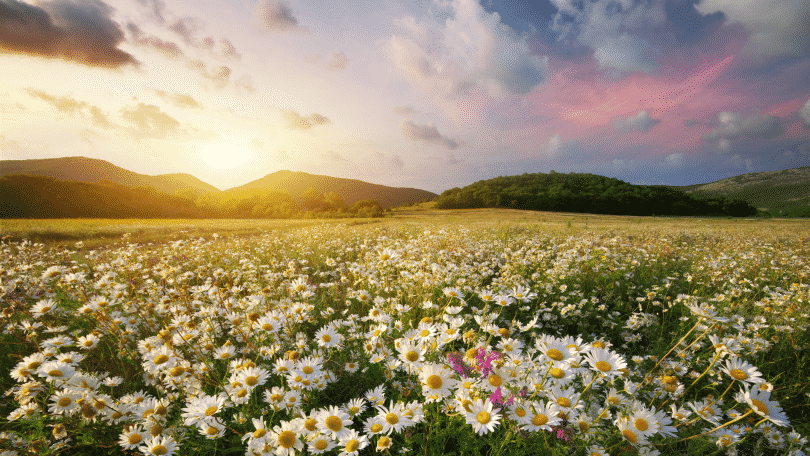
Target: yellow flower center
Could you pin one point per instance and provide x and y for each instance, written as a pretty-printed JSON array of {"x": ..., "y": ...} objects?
[
  {"x": 603, "y": 366},
  {"x": 211, "y": 430},
  {"x": 159, "y": 450},
  {"x": 352, "y": 446},
  {"x": 557, "y": 373},
  {"x": 326, "y": 338},
  {"x": 495, "y": 380},
  {"x": 160, "y": 359},
  {"x": 412, "y": 356},
  {"x": 376, "y": 427},
  {"x": 483, "y": 417},
  {"x": 334, "y": 423},
  {"x": 252, "y": 380},
  {"x": 134, "y": 439},
  {"x": 563, "y": 402},
  {"x": 521, "y": 412},
  {"x": 55, "y": 373},
  {"x": 738, "y": 374},
  {"x": 555, "y": 354},
  {"x": 434, "y": 382},
  {"x": 259, "y": 433},
  {"x": 392, "y": 418},
  {"x": 539, "y": 419},
  {"x": 759, "y": 407},
  {"x": 598, "y": 344},
  {"x": 629, "y": 435},
  {"x": 65, "y": 401},
  {"x": 286, "y": 439},
  {"x": 641, "y": 424},
  {"x": 210, "y": 411}
]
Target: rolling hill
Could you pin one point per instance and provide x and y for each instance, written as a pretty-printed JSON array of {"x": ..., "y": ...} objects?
[
  {"x": 295, "y": 183},
  {"x": 785, "y": 192},
  {"x": 91, "y": 170}
]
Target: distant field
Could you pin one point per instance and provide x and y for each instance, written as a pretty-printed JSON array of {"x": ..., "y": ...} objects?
[{"x": 98, "y": 232}]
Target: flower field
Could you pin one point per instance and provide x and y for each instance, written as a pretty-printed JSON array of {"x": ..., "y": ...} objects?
[{"x": 412, "y": 336}]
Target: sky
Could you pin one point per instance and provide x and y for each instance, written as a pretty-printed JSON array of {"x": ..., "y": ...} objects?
[{"x": 410, "y": 93}]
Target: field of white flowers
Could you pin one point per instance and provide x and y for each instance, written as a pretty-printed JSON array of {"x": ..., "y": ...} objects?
[{"x": 404, "y": 338}]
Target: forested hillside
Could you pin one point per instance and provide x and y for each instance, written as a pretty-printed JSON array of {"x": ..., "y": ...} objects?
[{"x": 586, "y": 193}]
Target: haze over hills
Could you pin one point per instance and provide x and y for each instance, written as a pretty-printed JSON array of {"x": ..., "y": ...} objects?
[
  {"x": 295, "y": 183},
  {"x": 92, "y": 170},
  {"x": 780, "y": 192}
]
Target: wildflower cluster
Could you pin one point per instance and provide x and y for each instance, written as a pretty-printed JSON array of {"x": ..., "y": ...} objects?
[{"x": 314, "y": 341}]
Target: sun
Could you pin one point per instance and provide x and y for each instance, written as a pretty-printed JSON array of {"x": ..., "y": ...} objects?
[{"x": 224, "y": 155}]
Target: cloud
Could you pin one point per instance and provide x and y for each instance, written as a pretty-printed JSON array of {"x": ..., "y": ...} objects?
[
  {"x": 732, "y": 124},
  {"x": 775, "y": 27},
  {"x": 167, "y": 48},
  {"x": 62, "y": 104},
  {"x": 804, "y": 114},
  {"x": 228, "y": 50},
  {"x": 620, "y": 33},
  {"x": 157, "y": 8},
  {"x": 471, "y": 49},
  {"x": 426, "y": 133},
  {"x": 150, "y": 120},
  {"x": 219, "y": 75},
  {"x": 639, "y": 122},
  {"x": 99, "y": 118},
  {"x": 407, "y": 111},
  {"x": 553, "y": 145},
  {"x": 80, "y": 32},
  {"x": 296, "y": 122},
  {"x": 337, "y": 61},
  {"x": 675, "y": 160},
  {"x": 390, "y": 162},
  {"x": 331, "y": 155},
  {"x": 187, "y": 28},
  {"x": 181, "y": 100},
  {"x": 275, "y": 16}
]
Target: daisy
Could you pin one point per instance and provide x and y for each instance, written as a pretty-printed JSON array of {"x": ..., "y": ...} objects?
[
  {"x": 165, "y": 446},
  {"x": 286, "y": 438},
  {"x": 642, "y": 422},
  {"x": 327, "y": 337},
  {"x": 631, "y": 434},
  {"x": 605, "y": 362},
  {"x": 227, "y": 351},
  {"x": 333, "y": 422},
  {"x": 394, "y": 417},
  {"x": 761, "y": 403},
  {"x": 56, "y": 371},
  {"x": 352, "y": 442},
  {"x": 542, "y": 416},
  {"x": 320, "y": 444},
  {"x": 211, "y": 428},
  {"x": 411, "y": 353},
  {"x": 384, "y": 443},
  {"x": 202, "y": 407},
  {"x": 132, "y": 438},
  {"x": 741, "y": 370},
  {"x": 43, "y": 307},
  {"x": 374, "y": 425},
  {"x": 355, "y": 406},
  {"x": 554, "y": 350},
  {"x": 252, "y": 376},
  {"x": 436, "y": 382},
  {"x": 482, "y": 417},
  {"x": 64, "y": 402},
  {"x": 376, "y": 396}
]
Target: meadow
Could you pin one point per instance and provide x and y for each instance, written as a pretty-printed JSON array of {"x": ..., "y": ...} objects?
[{"x": 474, "y": 332}]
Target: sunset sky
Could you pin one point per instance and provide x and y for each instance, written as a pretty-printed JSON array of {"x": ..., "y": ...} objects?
[{"x": 416, "y": 93}]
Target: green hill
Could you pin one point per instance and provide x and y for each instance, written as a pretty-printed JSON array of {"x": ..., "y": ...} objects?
[
  {"x": 586, "y": 193},
  {"x": 350, "y": 190},
  {"x": 780, "y": 193},
  {"x": 91, "y": 170}
]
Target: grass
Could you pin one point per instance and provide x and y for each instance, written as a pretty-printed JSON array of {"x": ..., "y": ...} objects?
[{"x": 631, "y": 283}]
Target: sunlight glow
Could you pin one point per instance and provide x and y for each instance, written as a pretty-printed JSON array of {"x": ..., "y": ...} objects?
[{"x": 224, "y": 155}]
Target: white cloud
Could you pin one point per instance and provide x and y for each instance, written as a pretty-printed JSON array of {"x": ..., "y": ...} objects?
[
  {"x": 553, "y": 145},
  {"x": 724, "y": 145},
  {"x": 616, "y": 31},
  {"x": 639, "y": 122},
  {"x": 804, "y": 113},
  {"x": 472, "y": 48},
  {"x": 732, "y": 124},
  {"x": 675, "y": 160},
  {"x": 337, "y": 61},
  {"x": 775, "y": 27}
]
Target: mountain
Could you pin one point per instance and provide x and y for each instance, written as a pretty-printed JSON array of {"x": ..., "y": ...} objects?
[
  {"x": 91, "y": 170},
  {"x": 295, "y": 183},
  {"x": 585, "y": 193},
  {"x": 784, "y": 192}
]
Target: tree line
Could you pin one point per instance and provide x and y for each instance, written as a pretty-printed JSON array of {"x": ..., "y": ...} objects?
[
  {"x": 46, "y": 197},
  {"x": 587, "y": 193}
]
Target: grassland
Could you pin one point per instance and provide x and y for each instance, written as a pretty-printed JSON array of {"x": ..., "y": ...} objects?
[{"x": 615, "y": 335}]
